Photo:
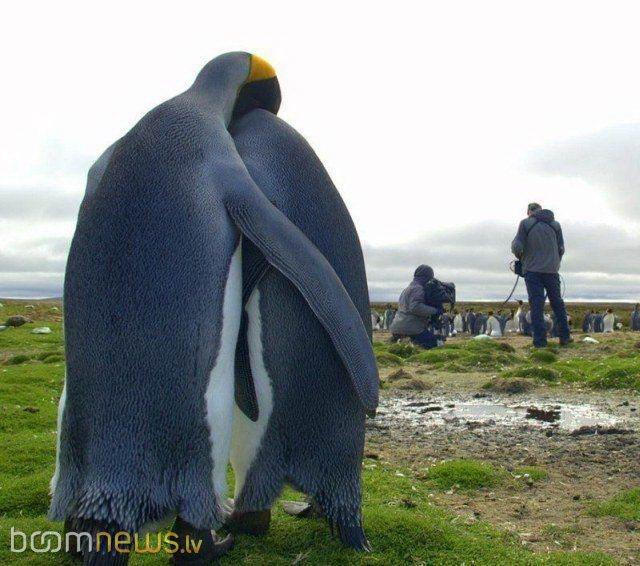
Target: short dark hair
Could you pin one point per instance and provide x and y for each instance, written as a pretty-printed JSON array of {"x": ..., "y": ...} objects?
[{"x": 533, "y": 206}]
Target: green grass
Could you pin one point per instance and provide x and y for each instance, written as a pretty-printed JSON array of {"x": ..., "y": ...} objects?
[
  {"x": 625, "y": 505},
  {"x": 452, "y": 357},
  {"x": 539, "y": 373},
  {"x": 464, "y": 474},
  {"x": 402, "y": 523},
  {"x": 543, "y": 356},
  {"x": 532, "y": 472},
  {"x": 611, "y": 365}
]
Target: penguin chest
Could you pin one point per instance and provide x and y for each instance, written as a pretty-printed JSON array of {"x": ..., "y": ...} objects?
[
  {"x": 219, "y": 396},
  {"x": 248, "y": 435}
]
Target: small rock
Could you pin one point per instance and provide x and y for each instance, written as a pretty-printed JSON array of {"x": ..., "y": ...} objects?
[
  {"x": 585, "y": 430},
  {"x": 398, "y": 375},
  {"x": 31, "y": 410},
  {"x": 415, "y": 385},
  {"x": 430, "y": 409},
  {"x": 17, "y": 320},
  {"x": 576, "y": 497},
  {"x": 372, "y": 455},
  {"x": 408, "y": 503},
  {"x": 510, "y": 386},
  {"x": 41, "y": 330}
]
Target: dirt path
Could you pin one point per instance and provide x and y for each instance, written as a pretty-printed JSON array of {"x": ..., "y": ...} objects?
[{"x": 588, "y": 442}]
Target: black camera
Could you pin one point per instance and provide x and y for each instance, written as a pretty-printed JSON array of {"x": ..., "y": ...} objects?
[{"x": 438, "y": 293}]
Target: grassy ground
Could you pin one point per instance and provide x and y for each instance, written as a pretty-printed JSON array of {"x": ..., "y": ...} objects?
[
  {"x": 402, "y": 522},
  {"x": 613, "y": 364}
]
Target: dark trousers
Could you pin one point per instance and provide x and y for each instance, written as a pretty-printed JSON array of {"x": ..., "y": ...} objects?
[
  {"x": 426, "y": 339},
  {"x": 537, "y": 284}
]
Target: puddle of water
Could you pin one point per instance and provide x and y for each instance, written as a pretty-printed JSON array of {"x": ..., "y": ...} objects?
[{"x": 437, "y": 412}]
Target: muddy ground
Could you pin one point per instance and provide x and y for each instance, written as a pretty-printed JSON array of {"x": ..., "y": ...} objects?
[{"x": 587, "y": 441}]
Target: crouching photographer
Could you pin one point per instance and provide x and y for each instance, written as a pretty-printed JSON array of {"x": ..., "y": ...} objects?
[{"x": 420, "y": 307}]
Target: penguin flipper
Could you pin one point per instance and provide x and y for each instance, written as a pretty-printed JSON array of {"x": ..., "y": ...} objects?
[
  {"x": 254, "y": 268},
  {"x": 288, "y": 250}
]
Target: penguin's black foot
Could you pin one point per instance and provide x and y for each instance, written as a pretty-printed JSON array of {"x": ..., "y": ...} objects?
[
  {"x": 254, "y": 523},
  {"x": 303, "y": 509},
  {"x": 198, "y": 547},
  {"x": 73, "y": 550},
  {"x": 351, "y": 537},
  {"x": 97, "y": 548}
]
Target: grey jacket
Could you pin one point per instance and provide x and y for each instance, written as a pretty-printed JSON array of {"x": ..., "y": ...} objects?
[
  {"x": 539, "y": 243},
  {"x": 413, "y": 314}
]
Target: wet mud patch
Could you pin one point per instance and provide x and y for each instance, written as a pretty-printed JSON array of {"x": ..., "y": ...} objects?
[{"x": 494, "y": 412}]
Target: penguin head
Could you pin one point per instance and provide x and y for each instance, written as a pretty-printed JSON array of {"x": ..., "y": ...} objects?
[
  {"x": 260, "y": 90},
  {"x": 239, "y": 82}
]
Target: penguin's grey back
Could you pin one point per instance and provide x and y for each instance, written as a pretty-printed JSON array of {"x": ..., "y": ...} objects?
[{"x": 287, "y": 170}]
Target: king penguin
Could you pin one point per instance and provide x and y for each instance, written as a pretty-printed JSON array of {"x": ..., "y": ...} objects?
[
  {"x": 153, "y": 308},
  {"x": 309, "y": 426}
]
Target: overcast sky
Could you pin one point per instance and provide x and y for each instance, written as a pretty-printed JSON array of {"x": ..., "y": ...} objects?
[{"x": 438, "y": 122}]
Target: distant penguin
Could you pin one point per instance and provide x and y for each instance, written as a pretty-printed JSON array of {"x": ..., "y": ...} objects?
[
  {"x": 153, "y": 307},
  {"x": 310, "y": 432}
]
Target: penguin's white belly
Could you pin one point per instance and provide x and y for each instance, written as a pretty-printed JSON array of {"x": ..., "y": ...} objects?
[
  {"x": 219, "y": 396},
  {"x": 248, "y": 435},
  {"x": 61, "y": 406}
]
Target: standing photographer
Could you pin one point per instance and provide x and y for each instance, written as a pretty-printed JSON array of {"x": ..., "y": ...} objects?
[
  {"x": 413, "y": 318},
  {"x": 539, "y": 245}
]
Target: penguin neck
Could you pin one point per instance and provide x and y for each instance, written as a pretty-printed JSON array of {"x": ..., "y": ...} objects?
[{"x": 219, "y": 91}]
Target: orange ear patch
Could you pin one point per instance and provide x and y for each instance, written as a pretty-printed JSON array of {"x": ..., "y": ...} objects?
[{"x": 260, "y": 70}]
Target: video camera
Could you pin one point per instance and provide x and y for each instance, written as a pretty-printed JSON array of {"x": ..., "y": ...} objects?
[{"x": 438, "y": 293}]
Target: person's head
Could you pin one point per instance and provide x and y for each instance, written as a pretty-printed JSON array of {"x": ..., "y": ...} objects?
[
  {"x": 532, "y": 208},
  {"x": 609, "y": 311},
  {"x": 455, "y": 311},
  {"x": 520, "y": 302},
  {"x": 423, "y": 273},
  {"x": 471, "y": 309},
  {"x": 490, "y": 313}
]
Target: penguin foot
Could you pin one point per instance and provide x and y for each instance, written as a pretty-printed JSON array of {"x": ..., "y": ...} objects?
[
  {"x": 351, "y": 537},
  {"x": 254, "y": 523},
  {"x": 303, "y": 509},
  {"x": 97, "y": 549},
  {"x": 71, "y": 526},
  {"x": 198, "y": 547}
]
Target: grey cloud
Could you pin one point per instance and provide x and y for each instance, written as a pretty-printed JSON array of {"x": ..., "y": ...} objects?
[
  {"x": 609, "y": 158},
  {"x": 602, "y": 262},
  {"x": 31, "y": 285},
  {"x": 42, "y": 203}
]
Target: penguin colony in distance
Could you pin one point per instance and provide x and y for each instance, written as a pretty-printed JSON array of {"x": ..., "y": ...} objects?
[{"x": 216, "y": 307}]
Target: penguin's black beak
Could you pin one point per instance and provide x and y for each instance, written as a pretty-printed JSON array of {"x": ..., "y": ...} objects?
[{"x": 260, "y": 90}]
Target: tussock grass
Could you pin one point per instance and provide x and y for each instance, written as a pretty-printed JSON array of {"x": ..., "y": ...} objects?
[
  {"x": 543, "y": 356},
  {"x": 539, "y": 373},
  {"x": 625, "y": 505},
  {"x": 534, "y": 473},
  {"x": 464, "y": 474}
]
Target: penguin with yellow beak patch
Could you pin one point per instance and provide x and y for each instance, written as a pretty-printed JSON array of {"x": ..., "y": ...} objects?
[
  {"x": 301, "y": 406},
  {"x": 153, "y": 308}
]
